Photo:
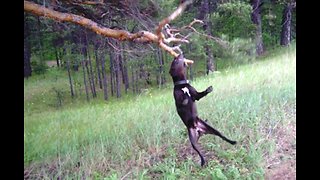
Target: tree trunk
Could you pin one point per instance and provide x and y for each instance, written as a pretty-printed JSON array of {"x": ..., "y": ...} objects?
[
  {"x": 190, "y": 74},
  {"x": 112, "y": 74},
  {"x": 70, "y": 80},
  {"x": 104, "y": 76},
  {"x": 27, "y": 66},
  {"x": 57, "y": 56},
  {"x": 124, "y": 71},
  {"x": 27, "y": 50},
  {"x": 98, "y": 66},
  {"x": 137, "y": 81},
  {"x": 40, "y": 40},
  {"x": 85, "y": 79},
  {"x": 132, "y": 80},
  {"x": 160, "y": 75},
  {"x": 91, "y": 75},
  {"x": 210, "y": 65},
  {"x": 210, "y": 59},
  {"x": 204, "y": 14},
  {"x": 286, "y": 25},
  {"x": 117, "y": 72},
  {"x": 89, "y": 69},
  {"x": 256, "y": 19}
]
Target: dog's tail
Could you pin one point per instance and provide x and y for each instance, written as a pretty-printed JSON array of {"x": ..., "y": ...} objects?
[{"x": 207, "y": 129}]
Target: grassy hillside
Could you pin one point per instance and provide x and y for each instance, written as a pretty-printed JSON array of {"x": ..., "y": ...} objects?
[{"x": 143, "y": 138}]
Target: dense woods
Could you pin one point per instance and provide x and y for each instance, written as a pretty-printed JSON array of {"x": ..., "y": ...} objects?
[{"x": 109, "y": 67}]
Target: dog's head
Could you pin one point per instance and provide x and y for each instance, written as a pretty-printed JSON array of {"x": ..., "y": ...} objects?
[{"x": 178, "y": 69}]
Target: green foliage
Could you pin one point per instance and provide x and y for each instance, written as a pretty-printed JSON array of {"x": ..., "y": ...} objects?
[
  {"x": 233, "y": 19},
  {"x": 59, "y": 95},
  {"x": 271, "y": 24},
  {"x": 38, "y": 66}
]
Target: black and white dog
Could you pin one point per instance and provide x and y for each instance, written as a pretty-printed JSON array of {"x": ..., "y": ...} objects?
[{"x": 185, "y": 96}]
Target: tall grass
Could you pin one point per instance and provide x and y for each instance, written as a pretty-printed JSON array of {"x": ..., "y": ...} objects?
[{"x": 139, "y": 137}]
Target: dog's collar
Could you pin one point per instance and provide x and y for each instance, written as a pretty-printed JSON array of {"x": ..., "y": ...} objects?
[{"x": 181, "y": 82}]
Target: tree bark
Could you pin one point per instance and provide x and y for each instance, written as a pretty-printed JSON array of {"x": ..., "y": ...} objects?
[
  {"x": 57, "y": 56},
  {"x": 98, "y": 64},
  {"x": 112, "y": 72},
  {"x": 83, "y": 62},
  {"x": 117, "y": 72},
  {"x": 160, "y": 61},
  {"x": 27, "y": 50},
  {"x": 132, "y": 80},
  {"x": 70, "y": 80},
  {"x": 104, "y": 76},
  {"x": 286, "y": 25},
  {"x": 204, "y": 13},
  {"x": 124, "y": 71},
  {"x": 137, "y": 89},
  {"x": 210, "y": 59},
  {"x": 40, "y": 40},
  {"x": 90, "y": 74},
  {"x": 256, "y": 19}
]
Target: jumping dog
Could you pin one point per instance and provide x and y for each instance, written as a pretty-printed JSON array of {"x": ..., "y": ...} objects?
[{"x": 185, "y": 96}]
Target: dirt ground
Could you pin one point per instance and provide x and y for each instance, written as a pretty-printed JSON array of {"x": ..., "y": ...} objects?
[{"x": 281, "y": 165}]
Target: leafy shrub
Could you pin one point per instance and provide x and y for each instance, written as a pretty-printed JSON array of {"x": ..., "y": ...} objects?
[{"x": 38, "y": 66}]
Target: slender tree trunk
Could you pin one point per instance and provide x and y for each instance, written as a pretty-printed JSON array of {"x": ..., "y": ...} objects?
[
  {"x": 89, "y": 69},
  {"x": 210, "y": 63},
  {"x": 98, "y": 66},
  {"x": 137, "y": 81},
  {"x": 162, "y": 67},
  {"x": 40, "y": 40},
  {"x": 204, "y": 13},
  {"x": 117, "y": 73},
  {"x": 160, "y": 76},
  {"x": 83, "y": 62},
  {"x": 256, "y": 19},
  {"x": 70, "y": 80},
  {"x": 132, "y": 80},
  {"x": 57, "y": 56},
  {"x": 210, "y": 59},
  {"x": 27, "y": 66},
  {"x": 27, "y": 49},
  {"x": 124, "y": 71},
  {"x": 111, "y": 55},
  {"x": 191, "y": 66},
  {"x": 94, "y": 94},
  {"x": 104, "y": 76},
  {"x": 286, "y": 25}
]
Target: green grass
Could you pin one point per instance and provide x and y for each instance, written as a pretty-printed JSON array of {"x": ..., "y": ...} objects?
[{"x": 142, "y": 137}]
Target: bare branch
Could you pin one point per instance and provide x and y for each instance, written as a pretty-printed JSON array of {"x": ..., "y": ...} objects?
[
  {"x": 122, "y": 35},
  {"x": 216, "y": 39},
  {"x": 168, "y": 19}
]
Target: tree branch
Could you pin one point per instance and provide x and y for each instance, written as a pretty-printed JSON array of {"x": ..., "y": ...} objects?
[{"x": 122, "y": 35}]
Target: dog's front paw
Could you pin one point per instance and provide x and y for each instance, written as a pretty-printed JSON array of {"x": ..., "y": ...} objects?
[{"x": 209, "y": 89}]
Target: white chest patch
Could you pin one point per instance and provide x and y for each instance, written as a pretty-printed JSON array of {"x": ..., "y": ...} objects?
[{"x": 186, "y": 90}]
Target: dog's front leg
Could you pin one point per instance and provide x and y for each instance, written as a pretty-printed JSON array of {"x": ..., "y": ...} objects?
[{"x": 198, "y": 95}]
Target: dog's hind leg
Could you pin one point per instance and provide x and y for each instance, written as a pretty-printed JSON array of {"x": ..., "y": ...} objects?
[
  {"x": 193, "y": 137},
  {"x": 207, "y": 129}
]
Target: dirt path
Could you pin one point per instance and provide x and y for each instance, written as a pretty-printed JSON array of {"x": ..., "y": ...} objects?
[{"x": 281, "y": 165}]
